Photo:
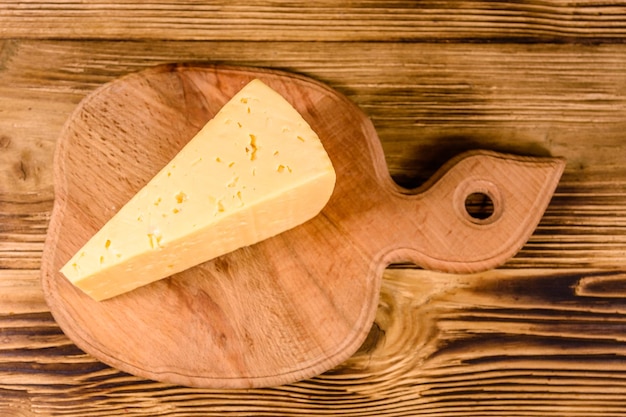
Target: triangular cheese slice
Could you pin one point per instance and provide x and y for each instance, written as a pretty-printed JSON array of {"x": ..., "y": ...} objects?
[{"x": 255, "y": 170}]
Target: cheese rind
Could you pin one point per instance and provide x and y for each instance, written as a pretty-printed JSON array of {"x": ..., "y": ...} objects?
[{"x": 255, "y": 170}]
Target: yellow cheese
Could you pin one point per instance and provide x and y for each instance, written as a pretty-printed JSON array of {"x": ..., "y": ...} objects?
[{"x": 255, "y": 170}]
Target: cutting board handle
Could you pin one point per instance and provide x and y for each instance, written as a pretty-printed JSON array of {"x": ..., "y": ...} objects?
[{"x": 436, "y": 228}]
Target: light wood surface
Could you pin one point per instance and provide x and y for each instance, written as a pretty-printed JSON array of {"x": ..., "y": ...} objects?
[
  {"x": 542, "y": 335},
  {"x": 290, "y": 307},
  {"x": 327, "y": 20}
]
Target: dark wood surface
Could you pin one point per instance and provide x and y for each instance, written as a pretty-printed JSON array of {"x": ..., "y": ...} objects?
[{"x": 542, "y": 335}]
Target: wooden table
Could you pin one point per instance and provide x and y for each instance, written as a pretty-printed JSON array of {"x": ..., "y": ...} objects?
[{"x": 543, "y": 335}]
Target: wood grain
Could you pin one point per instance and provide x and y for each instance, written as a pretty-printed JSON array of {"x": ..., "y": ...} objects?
[
  {"x": 363, "y": 20},
  {"x": 543, "y": 336}
]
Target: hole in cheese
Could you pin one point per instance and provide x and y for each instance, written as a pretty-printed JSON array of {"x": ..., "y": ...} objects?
[{"x": 181, "y": 197}]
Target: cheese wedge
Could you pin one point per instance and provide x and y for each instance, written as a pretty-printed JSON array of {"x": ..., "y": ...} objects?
[{"x": 255, "y": 170}]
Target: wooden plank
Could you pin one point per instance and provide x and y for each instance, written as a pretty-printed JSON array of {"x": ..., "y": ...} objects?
[
  {"x": 427, "y": 101},
  {"x": 363, "y": 20},
  {"x": 496, "y": 343},
  {"x": 20, "y": 292},
  {"x": 529, "y": 98},
  {"x": 428, "y": 104}
]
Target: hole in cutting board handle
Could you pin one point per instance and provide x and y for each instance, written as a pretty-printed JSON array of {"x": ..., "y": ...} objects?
[
  {"x": 478, "y": 202},
  {"x": 479, "y": 206}
]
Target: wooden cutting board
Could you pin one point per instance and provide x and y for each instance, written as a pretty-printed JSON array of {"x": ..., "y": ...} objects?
[{"x": 289, "y": 307}]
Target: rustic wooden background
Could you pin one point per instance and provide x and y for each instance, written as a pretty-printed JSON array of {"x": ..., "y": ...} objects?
[{"x": 543, "y": 335}]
